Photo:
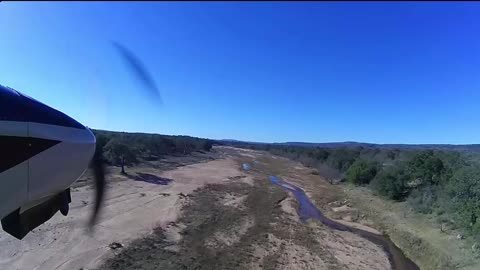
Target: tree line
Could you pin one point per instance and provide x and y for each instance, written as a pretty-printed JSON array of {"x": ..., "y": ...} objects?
[
  {"x": 124, "y": 148},
  {"x": 445, "y": 184}
]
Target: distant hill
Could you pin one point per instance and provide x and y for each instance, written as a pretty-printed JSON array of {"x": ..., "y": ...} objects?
[
  {"x": 456, "y": 147},
  {"x": 453, "y": 147},
  {"x": 329, "y": 144},
  {"x": 238, "y": 142}
]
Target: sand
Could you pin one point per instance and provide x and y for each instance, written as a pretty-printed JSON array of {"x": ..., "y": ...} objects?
[{"x": 132, "y": 209}]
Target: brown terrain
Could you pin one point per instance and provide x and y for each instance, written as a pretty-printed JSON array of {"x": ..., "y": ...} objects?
[{"x": 201, "y": 214}]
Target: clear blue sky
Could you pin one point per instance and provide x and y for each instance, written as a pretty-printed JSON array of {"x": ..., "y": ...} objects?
[{"x": 393, "y": 72}]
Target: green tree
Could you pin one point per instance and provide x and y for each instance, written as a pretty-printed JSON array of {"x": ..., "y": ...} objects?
[
  {"x": 342, "y": 158},
  {"x": 391, "y": 182},
  {"x": 321, "y": 154},
  {"x": 361, "y": 172},
  {"x": 118, "y": 152},
  {"x": 391, "y": 154},
  {"x": 162, "y": 146},
  {"x": 464, "y": 190},
  {"x": 207, "y": 145},
  {"x": 426, "y": 167}
]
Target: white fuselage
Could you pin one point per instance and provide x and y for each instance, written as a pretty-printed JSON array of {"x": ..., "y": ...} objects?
[{"x": 53, "y": 156}]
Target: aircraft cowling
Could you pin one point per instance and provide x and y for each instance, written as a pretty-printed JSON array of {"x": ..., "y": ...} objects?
[{"x": 42, "y": 151}]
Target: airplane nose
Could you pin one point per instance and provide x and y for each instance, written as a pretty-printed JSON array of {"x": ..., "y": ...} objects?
[
  {"x": 69, "y": 149},
  {"x": 42, "y": 151}
]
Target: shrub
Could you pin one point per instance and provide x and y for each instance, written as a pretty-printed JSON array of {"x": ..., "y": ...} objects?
[
  {"x": 422, "y": 200},
  {"x": 464, "y": 191},
  {"x": 391, "y": 183},
  {"x": 361, "y": 172},
  {"x": 427, "y": 167}
]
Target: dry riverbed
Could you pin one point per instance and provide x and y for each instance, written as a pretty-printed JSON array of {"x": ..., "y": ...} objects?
[
  {"x": 247, "y": 224},
  {"x": 208, "y": 215}
]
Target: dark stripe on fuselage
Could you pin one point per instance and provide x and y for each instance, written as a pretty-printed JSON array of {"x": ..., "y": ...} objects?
[
  {"x": 15, "y": 106},
  {"x": 15, "y": 150}
]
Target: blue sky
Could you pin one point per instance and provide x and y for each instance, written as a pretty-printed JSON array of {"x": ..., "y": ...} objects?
[{"x": 393, "y": 72}]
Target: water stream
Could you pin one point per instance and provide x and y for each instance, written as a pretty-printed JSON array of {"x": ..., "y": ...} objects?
[{"x": 308, "y": 210}]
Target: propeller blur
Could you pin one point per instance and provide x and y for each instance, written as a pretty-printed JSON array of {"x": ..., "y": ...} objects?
[{"x": 43, "y": 152}]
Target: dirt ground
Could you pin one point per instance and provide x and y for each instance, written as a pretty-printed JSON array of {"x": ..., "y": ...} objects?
[
  {"x": 241, "y": 224},
  {"x": 133, "y": 208},
  {"x": 208, "y": 215}
]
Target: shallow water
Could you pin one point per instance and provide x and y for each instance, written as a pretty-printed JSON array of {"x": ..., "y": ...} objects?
[{"x": 308, "y": 210}]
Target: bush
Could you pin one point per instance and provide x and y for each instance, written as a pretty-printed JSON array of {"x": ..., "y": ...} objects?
[
  {"x": 427, "y": 167},
  {"x": 328, "y": 172},
  {"x": 391, "y": 183},
  {"x": 342, "y": 158},
  {"x": 361, "y": 172},
  {"x": 423, "y": 200},
  {"x": 464, "y": 191},
  {"x": 207, "y": 145}
]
